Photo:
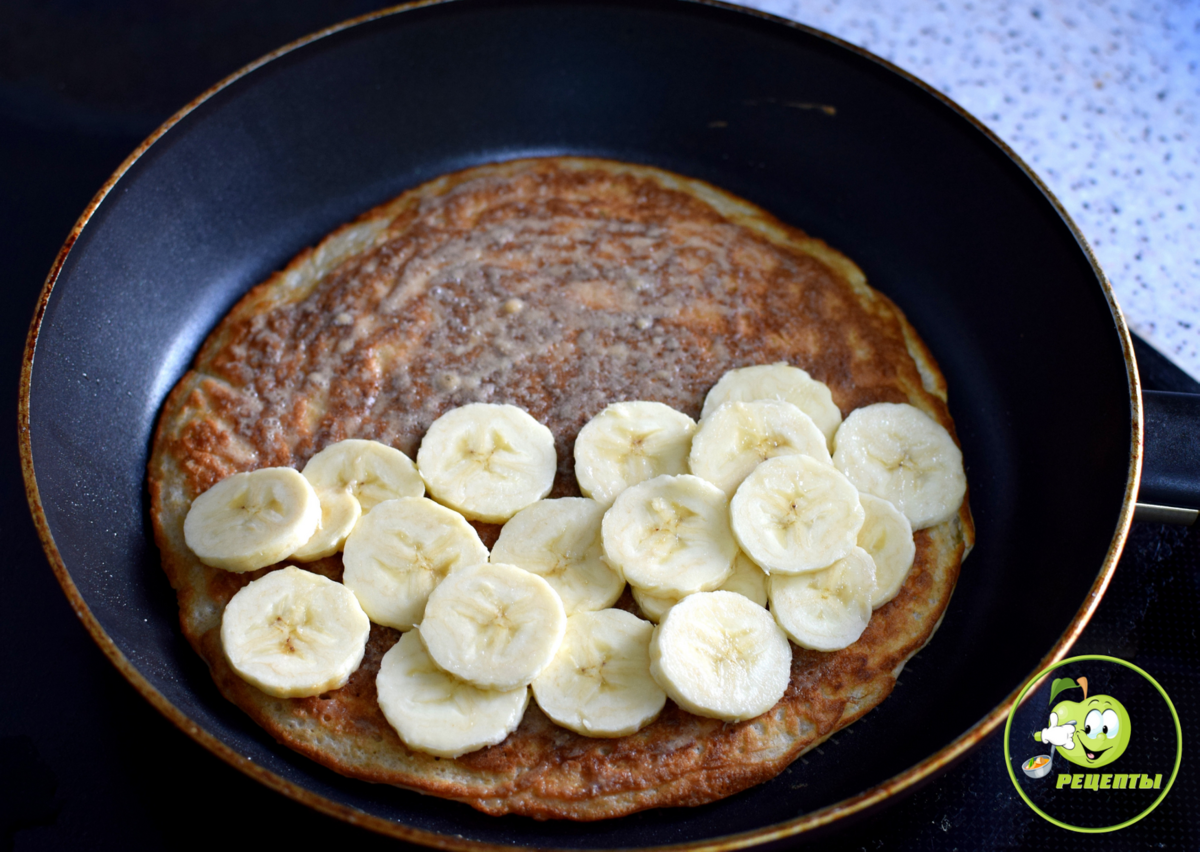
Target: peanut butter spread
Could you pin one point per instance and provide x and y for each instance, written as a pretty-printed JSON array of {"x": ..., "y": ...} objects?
[{"x": 559, "y": 285}]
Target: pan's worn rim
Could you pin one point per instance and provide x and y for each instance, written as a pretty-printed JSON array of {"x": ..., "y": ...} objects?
[{"x": 856, "y": 804}]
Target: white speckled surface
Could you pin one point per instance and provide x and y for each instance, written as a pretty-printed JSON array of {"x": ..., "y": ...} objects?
[{"x": 1101, "y": 99}]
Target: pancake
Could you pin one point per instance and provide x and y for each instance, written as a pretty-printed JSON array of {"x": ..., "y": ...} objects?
[{"x": 559, "y": 285}]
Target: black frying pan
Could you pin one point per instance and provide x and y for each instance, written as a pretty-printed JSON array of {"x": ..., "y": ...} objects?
[{"x": 938, "y": 213}]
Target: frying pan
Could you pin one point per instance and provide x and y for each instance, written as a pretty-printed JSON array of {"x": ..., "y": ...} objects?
[{"x": 940, "y": 215}]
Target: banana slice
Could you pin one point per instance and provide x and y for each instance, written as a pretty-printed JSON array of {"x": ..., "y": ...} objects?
[
  {"x": 778, "y": 381},
  {"x": 251, "y": 520},
  {"x": 747, "y": 579},
  {"x": 628, "y": 443},
  {"x": 293, "y": 633},
  {"x": 599, "y": 682},
  {"x": 721, "y": 655},
  {"x": 903, "y": 455},
  {"x": 559, "y": 540},
  {"x": 437, "y": 713},
  {"x": 887, "y": 535},
  {"x": 400, "y": 551},
  {"x": 372, "y": 472},
  {"x": 487, "y": 461},
  {"x": 670, "y": 536},
  {"x": 654, "y": 607},
  {"x": 340, "y": 511},
  {"x": 794, "y": 513},
  {"x": 828, "y": 609},
  {"x": 738, "y": 436},
  {"x": 493, "y": 625}
]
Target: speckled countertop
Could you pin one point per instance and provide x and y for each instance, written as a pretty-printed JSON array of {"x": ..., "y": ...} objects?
[{"x": 1101, "y": 99}]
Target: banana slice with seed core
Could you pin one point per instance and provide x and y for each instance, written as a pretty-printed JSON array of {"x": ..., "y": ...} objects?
[
  {"x": 747, "y": 580},
  {"x": 738, "y": 436},
  {"x": 487, "y": 461},
  {"x": 437, "y": 713},
  {"x": 251, "y": 520},
  {"x": 794, "y": 513},
  {"x": 903, "y": 455},
  {"x": 400, "y": 551},
  {"x": 372, "y": 472},
  {"x": 628, "y": 443},
  {"x": 887, "y": 535},
  {"x": 670, "y": 536},
  {"x": 828, "y": 609},
  {"x": 778, "y": 381},
  {"x": 340, "y": 511},
  {"x": 599, "y": 682},
  {"x": 493, "y": 625},
  {"x": 293, "y": 633},
  {"x": 721, "y": 655},
  {"x": 559, "y": 540}
]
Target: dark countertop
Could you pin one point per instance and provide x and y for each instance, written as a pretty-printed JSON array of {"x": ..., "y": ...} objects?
[{"x": 87, "y": 763}]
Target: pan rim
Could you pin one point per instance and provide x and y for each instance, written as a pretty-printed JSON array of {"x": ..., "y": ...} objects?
[{"x": 866, "y": 800}]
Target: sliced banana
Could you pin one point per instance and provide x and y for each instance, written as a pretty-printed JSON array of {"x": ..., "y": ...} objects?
[
  {"x": 778, "y": 381},
  {"x": 559, "y": 540},
  {"x": 599, "y": 682},
  {"x": 900, "y": 453},
  {"x": 487, "y": 461},
  {"x": 293, "y": 633},
  {"x": 738, "y": 436},
  {"x": 654, "y": 607},
  {"x": 372, "y": 472},
  {"x": 794, "y": 513},
  {"x": 340, "y": 511},
  {"x": 437, "y": 713},
  {"x": 747, "y": 579},
  {"x": 400, "y": 551},
  {"x": 828, "y": 609},
  {"x": 887, "y": 535},
  {"x": 251, "y": 520},
  {"x": 628, "y": 443},
  {"x": 670, "y": 535},
  {"x": 493, "y": 625},
  {"x": 721, "y": 655}
]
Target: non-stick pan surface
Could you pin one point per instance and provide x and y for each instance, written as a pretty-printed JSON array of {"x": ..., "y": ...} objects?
[{"x": 939, "y": 215}]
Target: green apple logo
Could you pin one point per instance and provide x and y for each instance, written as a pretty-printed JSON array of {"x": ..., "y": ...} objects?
[{"x": 1091, "y": 732}]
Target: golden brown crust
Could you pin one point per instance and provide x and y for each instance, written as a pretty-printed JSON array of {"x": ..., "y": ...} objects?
[{"x": 560, "y": 285}]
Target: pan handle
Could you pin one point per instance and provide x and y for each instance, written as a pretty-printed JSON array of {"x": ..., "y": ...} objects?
[{"x": 1170, "y": 488}]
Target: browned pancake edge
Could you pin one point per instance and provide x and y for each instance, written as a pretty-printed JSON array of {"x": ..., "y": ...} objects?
[{"x": 497, "y": 284}]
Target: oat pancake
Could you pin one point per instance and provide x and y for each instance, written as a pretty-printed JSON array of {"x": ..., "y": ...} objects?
[{"x": 559, "y": 285}]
